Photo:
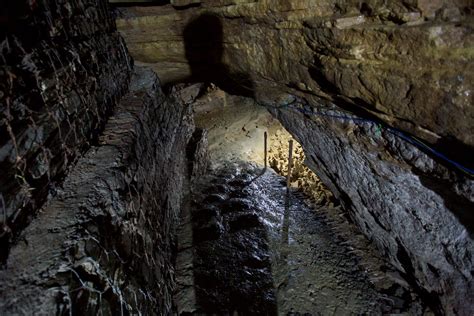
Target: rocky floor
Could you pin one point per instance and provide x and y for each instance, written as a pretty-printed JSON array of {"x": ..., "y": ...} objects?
[
  {"x": 247, "y": 249},
  {"x": 255, "y": 255},
  {"x": 232, "y": 263}
]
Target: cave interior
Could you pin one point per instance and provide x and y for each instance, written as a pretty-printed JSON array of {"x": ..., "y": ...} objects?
[{"x": 236, "y": 157}]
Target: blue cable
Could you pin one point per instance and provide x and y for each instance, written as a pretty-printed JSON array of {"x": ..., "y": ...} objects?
[{"x": 391, "y": 130}]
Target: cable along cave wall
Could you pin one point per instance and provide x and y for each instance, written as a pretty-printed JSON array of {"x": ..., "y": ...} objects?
[
  {"x": 73, "y": 136},
  {"x": 377, "y": 92}
]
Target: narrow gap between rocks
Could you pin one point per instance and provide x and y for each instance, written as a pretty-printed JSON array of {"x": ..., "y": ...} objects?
[
  {"x": 130, "y": 185},
  {"x": 247, "y": 249}
]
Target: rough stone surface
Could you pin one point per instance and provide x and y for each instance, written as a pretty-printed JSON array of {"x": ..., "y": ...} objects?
[
  {"x": 63, "y": 67},
  {"x": 197, "y": 153},
  {"x": 309, "y": 270},
  {"x": 417, "y": 213},
  {"x": 405, "y": 64},
  {"x": 253, "y": 254},
  {"x": 105, "y": 243}
]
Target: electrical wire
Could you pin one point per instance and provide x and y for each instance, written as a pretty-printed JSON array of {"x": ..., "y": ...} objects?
[{"x": 396, "y": 132}]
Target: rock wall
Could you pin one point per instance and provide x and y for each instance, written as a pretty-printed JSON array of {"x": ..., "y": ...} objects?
[
  {"x": 382, "y": 85},
  {"x": 401, "y": 199},
  {"x": 105, "y": 243},
  {"x": 92, "y": 178},
  {"x": 405, "y": 62},
  {"x": 63, "y": 67}
]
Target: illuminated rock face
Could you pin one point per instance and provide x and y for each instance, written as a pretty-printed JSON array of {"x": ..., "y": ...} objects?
[
  {"x": 404, "y": 64},
  {"x": 409, "y": 65},
  {"x": 104, "y": 239}
]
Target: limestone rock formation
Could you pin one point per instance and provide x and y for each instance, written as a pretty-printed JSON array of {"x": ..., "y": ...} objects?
[
  {"x": 63, "y": 67},
  {"x": 92, "y": 177},
  {"x": 101, "y": 172},
  {"x": 407, "y": 63},
  {"x": 373, "y": 90},
  {"x": 105, "y": 243}
]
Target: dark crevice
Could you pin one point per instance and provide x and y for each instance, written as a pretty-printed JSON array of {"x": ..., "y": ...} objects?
[
  {"x": 203, "y": 41},
  {"x": 189, "y": 6},
  {"x": 460, "y": 206},
  {"x": 152, "y": 3},
  {"x": 431, "y": 299}
]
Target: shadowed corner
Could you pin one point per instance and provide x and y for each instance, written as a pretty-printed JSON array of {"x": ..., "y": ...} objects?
[{"x": 203, "y": 42}]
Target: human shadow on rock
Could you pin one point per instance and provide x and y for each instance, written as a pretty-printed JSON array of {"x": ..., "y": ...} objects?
[{"x": 203, "y": 41}]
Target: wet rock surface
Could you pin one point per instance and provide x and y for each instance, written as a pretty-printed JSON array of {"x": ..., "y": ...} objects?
[
  {"x": 406, "y": 62},
  {"x": 63, "y": 68},
  {"x": 398, "y": 73},
  {"x": 232, "y": 267},
  {"x": 236, "y": 184},
  {"x": 253, "y": 255},
  {"x": 412, "y": 220},
  {"x": 105, "y": 243}
]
